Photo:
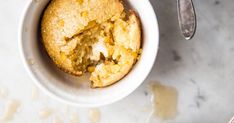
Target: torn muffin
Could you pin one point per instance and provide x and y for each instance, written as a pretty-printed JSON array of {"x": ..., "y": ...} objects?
[{"x": 95, "y": 36}]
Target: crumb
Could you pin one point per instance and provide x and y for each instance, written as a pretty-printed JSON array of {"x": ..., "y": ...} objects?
[
  {"x": 45, "y": 113},
  {"x": 74, "y": 118},
  {"x": 31, "y": 61},
  {"x": 34, "y": 93},
  {"x": 3, "y": 92},
  {"x": 94, "y": 115},
  {"x": 10, "y": 110},
  {"x": 57, "y": 120}
]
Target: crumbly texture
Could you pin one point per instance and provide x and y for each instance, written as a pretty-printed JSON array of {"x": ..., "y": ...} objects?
[
  {"x": 92, "y": 36},
  {"x": 126, "y": 36}
]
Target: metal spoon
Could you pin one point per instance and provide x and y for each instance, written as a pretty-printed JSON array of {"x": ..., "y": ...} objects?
[{"x": 187, "y": 18}]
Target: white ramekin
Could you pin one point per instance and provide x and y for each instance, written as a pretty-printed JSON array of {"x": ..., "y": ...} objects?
[{"x": 75, "y": 90}]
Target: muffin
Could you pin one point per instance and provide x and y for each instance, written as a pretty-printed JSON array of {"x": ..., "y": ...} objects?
[{"x": 95, "y": 36}]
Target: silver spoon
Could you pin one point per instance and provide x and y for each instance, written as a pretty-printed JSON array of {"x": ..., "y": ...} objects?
[{"x": 187, "y": 18}]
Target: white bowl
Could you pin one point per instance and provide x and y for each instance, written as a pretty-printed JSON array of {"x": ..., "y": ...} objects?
[{"x": 76, "y": 90}]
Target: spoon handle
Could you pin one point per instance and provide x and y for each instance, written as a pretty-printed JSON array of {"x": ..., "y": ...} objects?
[{"x": 187, "y": 18}]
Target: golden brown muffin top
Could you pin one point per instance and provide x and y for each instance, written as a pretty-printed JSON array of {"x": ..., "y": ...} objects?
[
  {"x": 64, "y": 19},
  {"x": 92, "y": 36}
]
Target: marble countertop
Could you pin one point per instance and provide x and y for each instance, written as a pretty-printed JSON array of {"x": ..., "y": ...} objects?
[{"x": 201, "y": 70}]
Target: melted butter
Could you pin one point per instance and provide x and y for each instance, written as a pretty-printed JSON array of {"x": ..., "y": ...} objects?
[
  {"x": 94, "y": 115},
  {"x": 3, "y": 92},
  {"x": 164, "y": 99},
  {"x": 45, "y": 113},
  {"x": 10, "y": 110},
  {"x": 34, "y": 93},
  {"x": 74, "y": 118}
]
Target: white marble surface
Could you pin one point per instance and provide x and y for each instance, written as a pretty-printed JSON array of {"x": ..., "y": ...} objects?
[{"x": 202, "y": 70}]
